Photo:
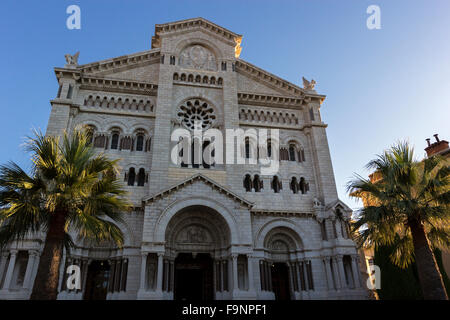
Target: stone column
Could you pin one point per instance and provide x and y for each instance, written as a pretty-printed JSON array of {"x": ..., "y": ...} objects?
[
  {"x": 222, "y": 275},
  {"x": 172, "y": 275},
  {"x": 251, "y": 286},
  {"x": 166, "y": 275},
  {"x": 331, "y": 283},
  {"x": 305, "y": 275},
  {"x": 4, "y": 258},
  {"x": 235, "y": 272},
  {"x": 143, "y": 271},
  {"x": 160, "y": 272},
  {"x": 356, "y": 272},
  {"x": 340, "y": 263},
  {"x": 9, "y": 272},
  {"x": 291, "y": 278},
  {"x": 30, "y": 264},
  {"x": 299, "y": 277}
]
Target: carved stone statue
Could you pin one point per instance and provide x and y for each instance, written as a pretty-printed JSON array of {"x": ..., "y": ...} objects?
[
  {"x": 307, "y": 85},
  {"x": 72, "y": 60}
]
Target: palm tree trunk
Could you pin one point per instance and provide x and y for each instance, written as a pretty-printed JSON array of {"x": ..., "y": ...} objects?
[
  {"x": 429, "y": 276},
  {"x": 47, "y": 277}
]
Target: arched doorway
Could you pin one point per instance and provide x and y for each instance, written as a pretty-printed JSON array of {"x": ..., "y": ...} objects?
[
  {"x": 280, "y": 273},
  {"x": 197, "y": 247}
]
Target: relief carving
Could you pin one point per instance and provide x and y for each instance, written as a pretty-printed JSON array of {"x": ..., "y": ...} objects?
[{"x": 198, "y": 57}]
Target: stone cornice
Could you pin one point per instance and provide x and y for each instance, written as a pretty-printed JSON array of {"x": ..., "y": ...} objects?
[
  {"x": 121, "y": 62},
  {"x": 273, "y": 81},
  {"x": 282, "y": 213},
  {"x": 192, "y": 179},
  {"x": 270, "y": 100},
  {"x": 189, "y": 24},
  {"x": 118, "y": 85}
]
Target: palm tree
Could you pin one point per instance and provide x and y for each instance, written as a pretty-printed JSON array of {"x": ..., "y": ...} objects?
[
  {"x": 407, "y": 207},
  {"x": 71, "y": 189}
]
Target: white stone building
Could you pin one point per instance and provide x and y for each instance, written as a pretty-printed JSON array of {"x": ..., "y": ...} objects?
[{"x": 210, "y": 232}]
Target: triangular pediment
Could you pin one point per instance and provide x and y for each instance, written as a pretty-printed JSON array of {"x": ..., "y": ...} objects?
[
  {"x": 195, "y": 178},
  {"x": 193, "y": 24}
]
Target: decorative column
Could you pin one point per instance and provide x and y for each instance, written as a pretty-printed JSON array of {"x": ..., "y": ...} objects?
[
  {"x": 166, "y": 275},
  {"x": 4, "y": 258},
  {"x": 305, "y": 275},
  {"x": 356, "y": 272},
  {"x": 251, "y": 280},
  {"x": 341, "y": 271},
  {"x": 9, "y": 272},
  {"x": 30, "y": 264},
  {"x": 235, "y": 272},
  {"x": 299, "y": 276},
  {"x": 160, "y": 272},
  {"x": 143, "y": 271},
  {"x": 172, "y": 274},
  {"x": 331, "y": 283},
  {"x": 291, "y": 278},
  {"x": 222, "y": 275},
  {"x": 337, "y": 277}
]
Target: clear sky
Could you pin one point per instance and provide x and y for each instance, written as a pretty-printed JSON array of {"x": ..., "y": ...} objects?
[{"x": 381, "y": 85}]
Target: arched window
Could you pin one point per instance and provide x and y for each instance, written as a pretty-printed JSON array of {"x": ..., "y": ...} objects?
[
  {"x": 247, "y": 148},
  {"x": 291, "y": 152},
  {"x": 206, "y": 160},
  {"x": 115, "y": 140},
  {"x": 141, "y": 177},
  {"x": 175, "y": 76},
  {"x": 304, "y": 187},
  {"x": 269, "y": 149},
  {"x": 190, "y": 78},
  {"x": 257, "y": 183},
  {"x": 131, "y": 176},
  {"x": 248, "y": 183},
  {"x": 140, "y": 142},
  {"x": 276, "y": 184},
  {"x": 294, "y": 185},
  {"x": 183, "y": 77}
]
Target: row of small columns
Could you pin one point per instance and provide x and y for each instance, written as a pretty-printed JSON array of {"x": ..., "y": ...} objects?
[
  {"x": 336, "y": 277},
  {"x": 33, "y": 256},
  {"x": 159, "y": 279}
]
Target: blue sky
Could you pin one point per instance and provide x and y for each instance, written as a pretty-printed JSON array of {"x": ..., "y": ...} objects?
[{"x": 381, "y": 85}]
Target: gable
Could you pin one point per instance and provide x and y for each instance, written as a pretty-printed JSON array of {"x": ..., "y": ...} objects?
[
  {"x": 252, "y": 85},
  {"x": 148, "y": 72},
  {"x": 196, "y": 179}
]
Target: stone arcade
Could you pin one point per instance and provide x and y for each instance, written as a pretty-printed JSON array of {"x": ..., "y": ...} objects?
[{"x": 200, "y": 231}]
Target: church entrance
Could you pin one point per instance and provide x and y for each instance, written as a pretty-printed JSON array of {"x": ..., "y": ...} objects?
[
  {"x": 97, "y": 280},
  {"x": 194, "y": 277},
  {"x": 280, "y": 281}
]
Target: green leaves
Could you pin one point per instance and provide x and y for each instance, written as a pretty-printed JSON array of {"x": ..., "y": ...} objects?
[
  {"x": 67, "y": 176},
  {"x": 402, "y": 189}
]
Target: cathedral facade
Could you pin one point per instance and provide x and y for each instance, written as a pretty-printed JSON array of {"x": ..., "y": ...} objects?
[{"x": 215, "y": 230}]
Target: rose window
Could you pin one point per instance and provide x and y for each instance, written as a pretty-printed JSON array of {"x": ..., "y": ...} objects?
[{"x": 196, "y": 112}]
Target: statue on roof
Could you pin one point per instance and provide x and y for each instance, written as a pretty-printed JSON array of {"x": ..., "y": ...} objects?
[
  {"x": 307, "y": 85},
  {"x": 72, "y": 60}
]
